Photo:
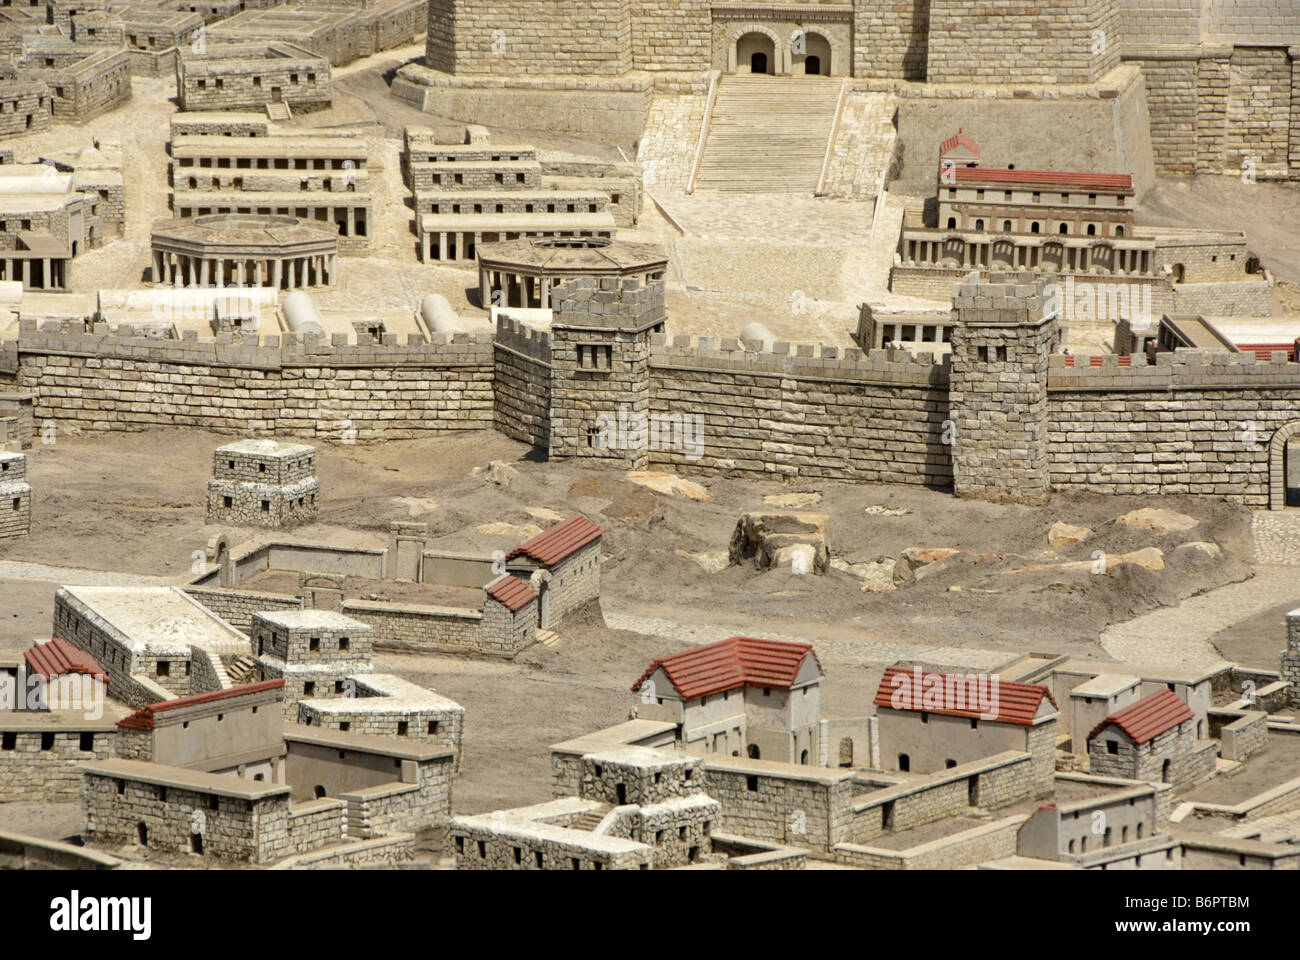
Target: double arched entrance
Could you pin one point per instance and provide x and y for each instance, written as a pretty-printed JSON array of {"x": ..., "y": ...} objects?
[{"x": 762, "y": 51}]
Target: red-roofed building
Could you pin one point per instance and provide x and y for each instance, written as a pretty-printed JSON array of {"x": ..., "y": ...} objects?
[
  {"x": 510, "y": 615},
  {"x": 62, "y": 677},
  {"x": 562, "y": 566},
  {"x": 743, "y": 696},
  {"x": 1153, "y": 739},
  {"x": 237, "y": 730},
  {"x": 930, "y": 721}
]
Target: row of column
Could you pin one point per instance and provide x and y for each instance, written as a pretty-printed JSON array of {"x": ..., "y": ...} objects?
[
  {"x": 461, "y": 244},
  {"x": 280, "y": 273},
  {"x": 36, "y": 273},
  {"x": 351, "y": 222},
  {"x": 934, "y": 252}
]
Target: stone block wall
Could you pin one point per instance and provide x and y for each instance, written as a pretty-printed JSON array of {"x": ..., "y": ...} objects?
[
  {"x": 768, "y": 805},
  {"x": 669, "y": 34},
  {"x": 15, "y": 496},
  {"x": 1073, "y": 41},
  {"x": 487, "y": 846},
  {"x": 44, "y": 765},
  {"x": 421, "y": 629},
  {"x": 1245, "y": 736},
  {"x": 232, "y": 828},
  {"x": 504, "y": 632},
  {"x": 1192, "y": 424},
  {"x": 582, "y": 37},
  {"x": 967, "y": 848},
  {"x": 403, "y": 807},
  {"x": 1001, "y": 340},
  {"x": 1290, "y": 665},
  {"x": 666, "y": 150},
  {"x": 574, "y": 582},
  {"x": 237, "y": 607},
  {"x": 522, "y": 382},
  {"x": 802, "y": 412},
  {"x": 317, "y": 824},
  {"x": 303, "y": 81},
  {"x": 298, "y": 387},
  {"x": 25, "y": 106},
  {"x": 891, "y": 40}
]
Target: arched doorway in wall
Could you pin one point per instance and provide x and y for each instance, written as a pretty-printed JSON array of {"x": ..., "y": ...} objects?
[
  {"x": 753, "y": 752},
  {"x": 756, "y": 53},
  {"x": 1284, "y": 467},
  {"x": 811, "y": 55}
]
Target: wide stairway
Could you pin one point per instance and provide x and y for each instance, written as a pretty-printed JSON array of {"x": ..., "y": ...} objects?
[{"x": 768, "y": 134}]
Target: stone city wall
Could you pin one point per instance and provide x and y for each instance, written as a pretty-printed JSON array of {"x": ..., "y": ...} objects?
[
  {"x": 801, "y": 411},
  {"x": 1195, "y": 423},
  {"x": 290, "y": 386}
]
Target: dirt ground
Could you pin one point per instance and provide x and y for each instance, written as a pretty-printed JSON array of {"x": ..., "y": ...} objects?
[{"x": 111, "y": 509}]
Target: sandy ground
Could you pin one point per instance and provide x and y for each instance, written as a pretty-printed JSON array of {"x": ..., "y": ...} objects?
[{"x": 109, "y": 507}]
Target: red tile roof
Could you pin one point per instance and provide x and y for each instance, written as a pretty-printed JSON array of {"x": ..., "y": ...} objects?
[
  {"x": 1123, "y": 360},
  {"x": 1014, "y": 702},
  {"x": 512, "y": 593},
  {"x": 732, "y": 663},
  {"x": 1148, "y": 718},
  {"x": 1100, "y": 181},
  {"x": 143, "y": 719},
  {"x": 563, "y": 539},
  {"x": 57, "y": 657},
  {"x": 959, "y": 139}
]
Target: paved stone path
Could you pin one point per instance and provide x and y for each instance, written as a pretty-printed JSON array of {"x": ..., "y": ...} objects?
[
  {"x": 1277, "y": 536},
  {"x": 75, "y": 577},
  {"x": 1180, "y": 635}
]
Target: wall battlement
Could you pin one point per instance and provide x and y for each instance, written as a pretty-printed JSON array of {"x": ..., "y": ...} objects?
[
  {"x": 810, "y": 360},
  {"x": 1180, "y": 370}
]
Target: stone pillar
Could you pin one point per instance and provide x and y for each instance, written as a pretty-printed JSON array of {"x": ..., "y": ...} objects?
[
  {"x": 277, "y": 271},
  {"x": 1290, "y": 666},
  {"x": 1003, "y": 333}
]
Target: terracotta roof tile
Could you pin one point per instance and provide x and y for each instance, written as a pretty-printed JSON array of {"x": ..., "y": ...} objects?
[
  {"x": 1013, "y": 702},
  {"x": 1101, "y": 181},
  {"x": 1148, "y": 718},
  {"x": 732, "y": 663},
  {"x": 553, "y": 545},
  {"x": 959, "y": 139},
  {"x": 511, "y": 592},
  {"x": 143, "y": 719},
  {"x": 57, "y": 657}
]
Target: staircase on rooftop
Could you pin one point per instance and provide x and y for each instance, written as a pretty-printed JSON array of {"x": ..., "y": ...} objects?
[{"x": 769, "y": 134}]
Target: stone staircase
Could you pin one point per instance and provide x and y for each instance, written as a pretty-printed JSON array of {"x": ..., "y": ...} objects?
[
  {"x": 243, "y": 669},
  {"x": 769, "y": 135},
  {"x": 590, "y": 820},
  {"x": 279, "y": 112}
]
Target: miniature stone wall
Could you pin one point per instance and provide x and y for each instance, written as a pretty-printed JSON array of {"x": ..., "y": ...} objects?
[
  {"x": 444, "y": 385},
  {"x": 582, "y": 37},
  {"x": 238, "y": 821},
  {"x": 801, "y": 807},
  {"x": 25, "y": 106},
  {"x": 1290, "y": 666},
  {"x": 43, "y": 765},
  {"x": 967, "y": 848},
  {"x": 15, "y": 496},
  {"x": 522, "y": 382}
]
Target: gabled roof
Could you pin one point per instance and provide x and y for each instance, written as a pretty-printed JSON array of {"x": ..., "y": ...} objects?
[
  {"x": 1148, "y": 718},
  {"x": 143, "y": 719},
  {"x": 959, "y": 139},
  {"x": 565, "y": 538},
  {"x": 511, "y": 592},
  {"x": 732, "y": 663},
  {"x": 1102, "y": 181},
  {"x": 57, "y": 657},
  {"x": 1015, "y": 702}
]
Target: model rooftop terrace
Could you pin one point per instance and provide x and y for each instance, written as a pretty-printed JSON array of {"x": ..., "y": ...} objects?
[{"x": 349, "y": 147}]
